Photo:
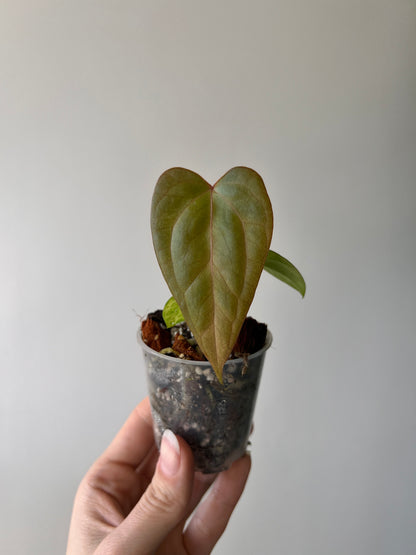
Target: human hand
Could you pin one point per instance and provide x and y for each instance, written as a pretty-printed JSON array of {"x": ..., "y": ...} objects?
[{"x": 133, "y": 501}]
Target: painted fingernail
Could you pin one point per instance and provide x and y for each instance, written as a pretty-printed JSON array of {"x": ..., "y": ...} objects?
[{"x": 169, "y": 453}]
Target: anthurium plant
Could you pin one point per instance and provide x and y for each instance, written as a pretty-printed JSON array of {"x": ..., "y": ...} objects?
[{"x": 212, "y": 243}]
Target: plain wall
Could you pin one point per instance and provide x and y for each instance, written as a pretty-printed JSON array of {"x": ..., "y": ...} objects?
[{"x": 97, "y": 99}]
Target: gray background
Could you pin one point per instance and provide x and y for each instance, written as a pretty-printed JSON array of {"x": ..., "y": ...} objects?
[{"x": 97, "y": 98}]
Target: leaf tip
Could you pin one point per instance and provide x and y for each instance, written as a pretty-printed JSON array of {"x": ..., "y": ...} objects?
[{"x": 218, "y": 369}]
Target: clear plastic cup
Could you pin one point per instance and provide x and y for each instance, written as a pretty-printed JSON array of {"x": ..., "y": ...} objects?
[{"x": 214, "y": 419}]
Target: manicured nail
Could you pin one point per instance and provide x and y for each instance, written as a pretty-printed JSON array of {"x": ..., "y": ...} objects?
[{"x": 169, "y": 453}]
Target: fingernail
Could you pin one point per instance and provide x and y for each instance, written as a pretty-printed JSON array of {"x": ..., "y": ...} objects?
[{"x": 169, "y": 453}]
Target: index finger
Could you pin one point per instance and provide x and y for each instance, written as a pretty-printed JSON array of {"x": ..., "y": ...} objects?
[
  {"x": 211, "y": 516},
  {"x": 135, "y": 439}
]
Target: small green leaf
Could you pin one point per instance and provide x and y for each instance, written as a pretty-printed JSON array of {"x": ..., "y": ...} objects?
[
  {"x": 284, "y": 270},
  {"x": 172, "y": 314}
]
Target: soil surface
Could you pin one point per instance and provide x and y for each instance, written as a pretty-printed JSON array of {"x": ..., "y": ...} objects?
[{"x": 179, "y": 342}]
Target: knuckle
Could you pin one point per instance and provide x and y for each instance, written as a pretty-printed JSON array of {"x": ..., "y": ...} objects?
[
  {"x": 201, "y": 527},
  {"x": 159, "y": 498}
]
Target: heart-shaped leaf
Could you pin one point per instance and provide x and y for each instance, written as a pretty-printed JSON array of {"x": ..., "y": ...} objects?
[{"x": 211, "y": 243}]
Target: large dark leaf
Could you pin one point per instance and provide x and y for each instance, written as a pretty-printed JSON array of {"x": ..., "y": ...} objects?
[{"x": 211, "y": 243}]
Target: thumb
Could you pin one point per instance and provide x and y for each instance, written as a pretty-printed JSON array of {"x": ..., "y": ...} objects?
[{"x": 163, "y": 504}]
